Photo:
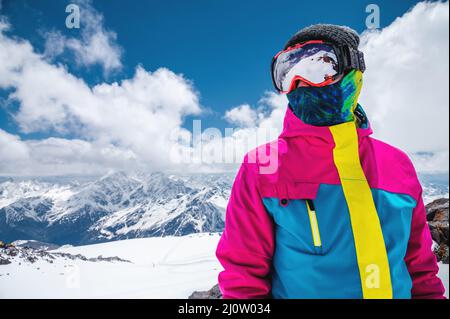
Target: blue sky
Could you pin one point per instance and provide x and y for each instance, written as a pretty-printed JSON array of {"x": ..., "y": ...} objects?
[
  {"x": 224, "y": 47},
  {"x": 121, "y": 92}
]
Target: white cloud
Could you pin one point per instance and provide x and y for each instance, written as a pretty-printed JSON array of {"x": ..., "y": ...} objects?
[
  {"x": 56, "y": 156},
  {"x": 12, "y": 149},
  {"x": 135, "y": 116},
  {"x": 242, "y": 115},
  {"x": 76, "y": 156},
  {"x": 406, "y": 84},
  {"x": 436, "y": 162},
  {"x": 267, "y": 121},
  {"x": 4, "y": 25},
  {"x": 97, "y": 45}
]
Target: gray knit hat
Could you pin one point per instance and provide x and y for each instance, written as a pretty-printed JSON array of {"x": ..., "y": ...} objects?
[{"x": 335, "y": 34}]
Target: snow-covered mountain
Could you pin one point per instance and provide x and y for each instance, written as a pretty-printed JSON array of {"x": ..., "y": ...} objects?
[
  {"x": 116, "y": 206},
  {"x": 125, "y": 205},
  {"x": 434, "y": 186}
]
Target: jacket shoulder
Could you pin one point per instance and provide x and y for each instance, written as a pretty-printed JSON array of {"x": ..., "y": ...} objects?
[
  {"x": 265, "y": 154},
  {"x": 390, "y": 152},
  {"x": 395, "y": 167}
]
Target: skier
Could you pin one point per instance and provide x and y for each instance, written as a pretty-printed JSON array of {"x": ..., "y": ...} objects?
[{"x": 342, "y": 216}]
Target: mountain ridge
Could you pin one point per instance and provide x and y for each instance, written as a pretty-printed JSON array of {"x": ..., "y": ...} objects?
[
  {"x": 115, "y": 206},
  {"x": 123, "y": 205}
]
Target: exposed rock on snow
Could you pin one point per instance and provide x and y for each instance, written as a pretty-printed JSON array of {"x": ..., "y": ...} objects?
[
  {"x": 213, "y": 293},
  {"x": 34, "y": 244},
  {"x": 30, "y": 255},
  {"x": 4, "y": 261},
  {"x": 437, "y": 216}
]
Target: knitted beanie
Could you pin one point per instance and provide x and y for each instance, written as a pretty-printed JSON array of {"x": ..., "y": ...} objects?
[{"x": 339, "y": 35}]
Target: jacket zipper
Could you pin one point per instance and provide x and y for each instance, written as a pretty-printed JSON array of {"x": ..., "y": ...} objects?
[{"x": 313, "y": 222}]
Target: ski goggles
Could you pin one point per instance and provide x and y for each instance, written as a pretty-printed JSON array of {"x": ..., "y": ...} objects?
[{"x": 316, "y": 63}]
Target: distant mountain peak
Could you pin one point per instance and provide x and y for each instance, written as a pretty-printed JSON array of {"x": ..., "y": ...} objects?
[{"x": 118, "y": 205}]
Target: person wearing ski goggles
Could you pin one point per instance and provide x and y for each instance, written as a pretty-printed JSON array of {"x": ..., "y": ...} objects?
[
  {"x": 343, "y": 215},
  {"x": 322, "y": 80}
]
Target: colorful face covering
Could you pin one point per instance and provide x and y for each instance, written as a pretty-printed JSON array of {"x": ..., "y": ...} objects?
[{"x": 327, "y": 105}]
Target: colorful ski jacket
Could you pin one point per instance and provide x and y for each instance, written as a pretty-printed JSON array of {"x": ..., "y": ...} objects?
[{"x": 340, "y": 216}]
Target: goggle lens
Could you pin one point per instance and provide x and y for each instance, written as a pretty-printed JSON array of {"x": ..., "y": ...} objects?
[{"x": 316, "y": 63}]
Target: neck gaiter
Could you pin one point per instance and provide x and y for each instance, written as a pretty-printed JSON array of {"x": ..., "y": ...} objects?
[{"x": 327, "y": 105}]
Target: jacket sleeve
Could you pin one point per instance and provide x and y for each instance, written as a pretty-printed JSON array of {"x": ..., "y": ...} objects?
[
  {"x": 420, "y": 259},
  {"x": 246, "y": 247}
]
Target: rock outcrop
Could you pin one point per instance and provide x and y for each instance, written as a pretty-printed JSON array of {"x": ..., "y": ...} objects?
[
  {"x": 213, "y": 293},
  {"x": 437, "y": 217},
  {"x": 10, "y": 253}
]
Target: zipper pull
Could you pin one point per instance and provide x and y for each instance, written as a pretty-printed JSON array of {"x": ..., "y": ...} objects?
[
  {"x": 313, "y": 223},
  {"x": 310, "y": 204}
]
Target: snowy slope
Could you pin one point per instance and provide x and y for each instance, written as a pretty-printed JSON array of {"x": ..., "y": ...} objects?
[
  {"x": 443, "y": 274},
  {"x": 169, "y": 267}
]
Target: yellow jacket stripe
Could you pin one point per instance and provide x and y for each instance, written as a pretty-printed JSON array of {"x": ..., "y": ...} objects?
[{"x": 371, "y": 252}]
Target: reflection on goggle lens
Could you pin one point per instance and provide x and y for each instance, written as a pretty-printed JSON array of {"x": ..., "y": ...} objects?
[{"x": 315, "y": 63}]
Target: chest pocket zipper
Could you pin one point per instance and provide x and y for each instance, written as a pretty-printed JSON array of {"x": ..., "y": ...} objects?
[{"x": 313, "y": 222}]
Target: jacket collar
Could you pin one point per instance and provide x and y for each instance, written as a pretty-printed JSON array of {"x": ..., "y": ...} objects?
[{"x": 293, "y": 126}]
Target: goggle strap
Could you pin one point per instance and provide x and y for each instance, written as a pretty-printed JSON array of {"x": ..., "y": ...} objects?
[{"x": 357, "y": 60}]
